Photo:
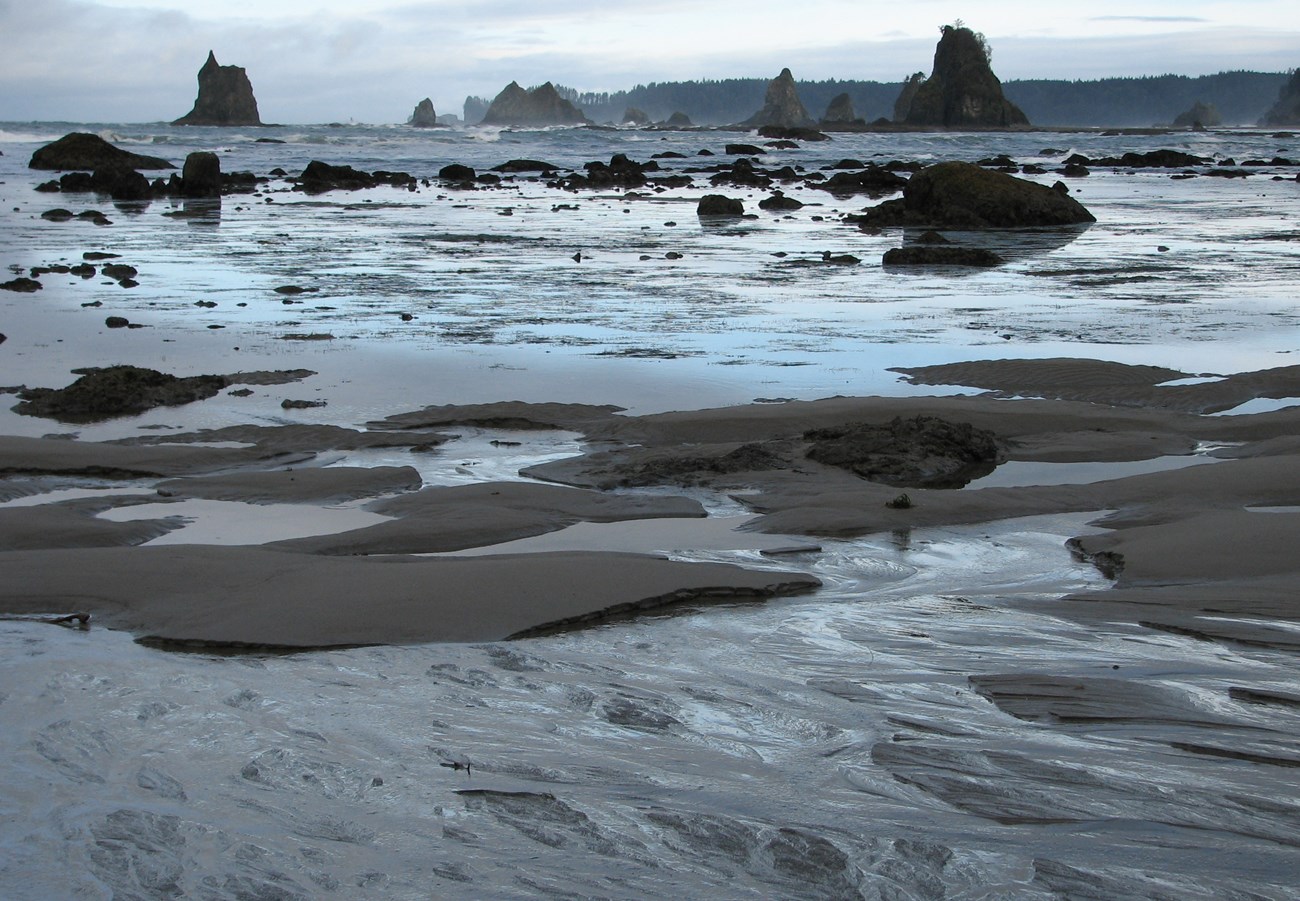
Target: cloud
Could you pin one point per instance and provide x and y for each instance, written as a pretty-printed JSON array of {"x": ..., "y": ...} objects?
[{"x": 1158, "y": 19}]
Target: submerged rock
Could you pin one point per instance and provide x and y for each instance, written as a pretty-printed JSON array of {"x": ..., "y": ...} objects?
[
  {"x": 781, "y": 106},
  {"x": 542, "y": 105},
  {"x": 962, "y": 91},
  {"x": 923, "y": 452},
  {"x": 225, "y": 97},
  {"x": 102, "y": 393},
  {"x": 963, "y": 195},
  {"x": 80, "y": 150}
]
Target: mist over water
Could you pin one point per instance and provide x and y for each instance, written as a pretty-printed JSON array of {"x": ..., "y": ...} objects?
[{"x": 859, "y": 742}]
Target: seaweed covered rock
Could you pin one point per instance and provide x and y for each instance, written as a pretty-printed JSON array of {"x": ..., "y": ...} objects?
[
  {"x": 80, "y": 150},
  {"x": 102, "y": 393},
  {"x": 781, "y": 106},
  {"x": 225, "y": 97},
  {"x": 541, "y": 105},
  {"x": 922, "y": 452},
  {"x": 963, "y": 195},
  {"x": 962, "y": 91}
]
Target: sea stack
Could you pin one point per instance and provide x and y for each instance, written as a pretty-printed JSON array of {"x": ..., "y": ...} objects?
[
  {"x": 781, "y": 106},
  {"x": 1201, "y": 115},
  {"x": 425, "y": 116},
  {"x": 962, "y": 91},
  {"x": 840, "y": 111},
  {"x": 905, "y": 97},
  {"x": 225, "y": 97},
  {"x": 540, "y": 106},
  {"x": 1287, "y": 109}
]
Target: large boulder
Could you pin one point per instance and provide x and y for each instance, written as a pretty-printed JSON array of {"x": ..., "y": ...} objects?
[
  {"x": 542, "y": 105},
  {"x": 922, "y": 452},
  {"x": 201, "y": 176},
  {"x": 634, "y": 116},
  {"x": 679, "y": 120},
  {"x": 116, "y": 391},
  {"x": 1286, "y": 111},
  {"x": 840, "y": 111},
  {"x": 903, "y": 104},
  {"x": 1200, "y": 115},
  {"x": 962, "y": 91},
  {"x": 719, "y": 205},
  {"x": 225, "y": 97},
  {"x": 424, "y": 116},
  {"x": 781, "y": 106},
  {"x": 80, "y": 150},
  {"x": 963, "y": 195}
]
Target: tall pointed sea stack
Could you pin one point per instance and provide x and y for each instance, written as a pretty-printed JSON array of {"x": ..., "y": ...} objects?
[
  {"x": 962, "y": 91},
  {"x": 225, "y": 97},
  {"x": 1287, "y": 109},
  {"x": 542, "y": 105},
  {"x": 840, "y": 111},
  {"x": 781, "y": 106}
]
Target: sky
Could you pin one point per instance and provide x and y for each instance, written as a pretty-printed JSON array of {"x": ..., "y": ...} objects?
[{"x": 313, "y": 61}]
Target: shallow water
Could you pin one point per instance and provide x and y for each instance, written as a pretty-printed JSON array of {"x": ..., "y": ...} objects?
[{"x": 827, "y": 746}]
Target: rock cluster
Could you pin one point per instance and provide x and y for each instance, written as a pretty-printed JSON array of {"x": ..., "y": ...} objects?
[
  {"x": 116, "y": 391},
  {"x": 225, "y": 97},
  {"x": 962, "y": 91},
  {"x": 781, "y": 106},
  {"x": 540, "y": 106}
]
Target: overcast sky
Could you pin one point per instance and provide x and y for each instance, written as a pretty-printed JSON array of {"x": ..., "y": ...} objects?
[{"x": 372, "y": 60}]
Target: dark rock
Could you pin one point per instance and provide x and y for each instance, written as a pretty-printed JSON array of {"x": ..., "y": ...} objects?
[
  {"x": 787, "y": 133},
  {"x": 526, "y": 166},
  {"x": 634, "y": 116},
  {"x": 201, "y": 176},
  {"x": 873, "y": 180},
  {"x": 58, "y": 214},
  {"x": 781, "y": 106},
  {"x": 718, "y": 205},
  {"x": 743, "y": 150},
  {"x": 1201, "y": 114},
  {"x": 456, "y": 172},
  {"x": 962, "y": 91},
  {"x": 903, "y": 105},
  {"x": 320, "y": 177},
  {"x": 301, "y": 404},
  {"x": 86, "y": 151},
  {"x": 780, "y": 203},
  {"x": 743, "y": 173},
  {"x": 620, "y": 172},
  {"x": 225, "y": 97},
  {"x": 840, "y": 111},
  {"x": 542, "y": 105},
  {"x": 1286, "y": 111},
  {"x": 424, "y": 115},
  {"x": 117, "y": 322},
  {"x": 116, "y": 391},
  {"x": 121, "y": 183},
  {"x": 962, "y": 195},
  {"x": 924, "y": 452},
  {"x": 119, "y": 271},
  {"x": 679, "y": 120},
  {"x": 931, "y": 237},
  {"x": 22, "y": 285},
  {"x": 940, "y": 255}
]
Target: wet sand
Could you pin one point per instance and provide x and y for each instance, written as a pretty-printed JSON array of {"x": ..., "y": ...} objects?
[{"x": 1184, "y": 546}]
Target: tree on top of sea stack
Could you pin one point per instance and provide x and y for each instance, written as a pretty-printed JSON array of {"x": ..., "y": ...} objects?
[
  {"x": 962, "y": 91},
  {"x": 225, "y": 97},
  {"x": 781, "y": 106}
]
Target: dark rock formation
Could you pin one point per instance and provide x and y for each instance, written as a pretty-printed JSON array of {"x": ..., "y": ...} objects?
[
  {"x": 86, "y": 151},
  {"x": 840, "y": 111},
  {"x": 116, "y": 391},
  {"x": 903, "y": 105},
  {"x": 719, "y": 205},
  {"x": 789, "y": 133},
  {"x": 781, "y": 106},
  {"x": 1286, "y": 111},
  {"x": 872, "y": 180},
  {"x": 320, "y": 177},
  {"x": 225, "y": 97},
  {"x": 456, "y": 172},
  {"x": 940, "y": 255},
  {"x": 924, "y": 452},
  {"x": 962, "y": 91},
  {"x": 778, "y": 202},
  {"x": 121, "y": 183},
  {"x": 424, "y": 116},
  {"x": 620, "y": 172},
  {"x": 201, "y": 176},
  {"x": 962, "y": 195},
  {"x": 1201, "y": 114},
  {"x": 1154, "y": 159},
  {"x": 634, "y": 116},
  {"x": 679, "y": 120},
  {"x": 22, "y": 285},
  {"x": 540, "y": 106}
]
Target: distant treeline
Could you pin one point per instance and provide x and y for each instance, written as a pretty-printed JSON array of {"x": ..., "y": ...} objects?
[{"x": 1241, "y": 98}]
